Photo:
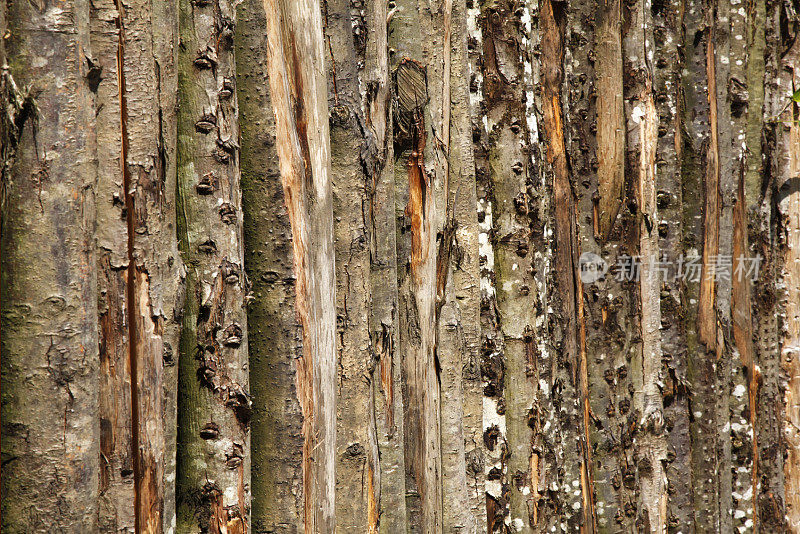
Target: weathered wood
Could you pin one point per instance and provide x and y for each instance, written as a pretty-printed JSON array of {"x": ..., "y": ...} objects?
[
  {"x": 610, "y": 116},
  {"x": 138, "y": 265},
  {"x": 386, "y": 376},
  {"x": 357, "y": 463},
  {"x": 420, "y": 200},
  {"x": 650, "y": 449},
  {"x": 298, "y": 95},
  {"x": 117, "y": 475},
  {"x": 568, "y": 372},
  {"x": 457, "y": 289},
  {"x": 273, "y": 328}
]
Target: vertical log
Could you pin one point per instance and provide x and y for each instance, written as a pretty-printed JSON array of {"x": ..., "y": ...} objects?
[
  {"x": 214, "y": 460},
  {"x": 509, "y": 176},
  {"x": 490, "y": 453},
  {"x": 298, "y": 92},
  {"x": 50, "y": 364},
  {"x": 117, "y": 476},
  {"x": 386, "y": 375},
  {"x": 421, "y": 189},
  {"x": 667, "y": 38},
  {"x": 139, "y": 268},
  {"x": 768, "y": 101},
  {"x": 742, "y": 413},
  {"x": 457, "y": 290},
  {"x": 273, "y": 328},
  {"x": 568, "y": 387},
  {"x": 696, "y": 164},
  {"x": 787, "y": 162},
  {"x": 649, "y": 453},
  {"x": 754, "y": 241},
  {"x": 357, "y": 476}
]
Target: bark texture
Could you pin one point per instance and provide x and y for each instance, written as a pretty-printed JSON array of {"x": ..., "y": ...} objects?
[
  {"x": 298, "y": 92},
  {"x": 139, "y": 269},
  {"x": 274, "y": 331},
  {"x": 214, "y": 459},
  {"x": 50, "y": 364},
  {"x": 489, "y": 266}
]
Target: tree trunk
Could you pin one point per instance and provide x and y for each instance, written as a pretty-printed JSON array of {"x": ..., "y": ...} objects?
[
  {"x": 509, "y": 266},
  {"x": 298, "y": 93},
  {"x": 138, "y": 265},
  {"x": 50, "y": 365},
  {"x": 273, "y": 329},
  {"x": 214, "y": 459}
]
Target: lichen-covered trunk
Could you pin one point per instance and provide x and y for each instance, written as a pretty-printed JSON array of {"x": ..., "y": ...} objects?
[
  {"x": 50, "y": 365},
  {"x": 213, "y": 486},
  {"x": 357, "y": 462}
]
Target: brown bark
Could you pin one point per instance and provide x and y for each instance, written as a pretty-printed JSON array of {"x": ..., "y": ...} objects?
[
  {"x": 426, "y": 190},
  {"x": 138, "y": 267},
  {"x": 273, "y": 329}
]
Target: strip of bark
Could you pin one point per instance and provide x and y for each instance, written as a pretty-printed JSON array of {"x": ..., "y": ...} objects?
[
  {"x": 553, "y": 21},
  {"x": 50, "y": 364},
  {"x": 273, "y": 329}
]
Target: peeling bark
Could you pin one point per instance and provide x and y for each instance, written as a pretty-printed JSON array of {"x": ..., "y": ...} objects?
[
  {"x": 298, "y": 97},
  {"x": 273, "y": 329},
  {"x": 139, "y": 269}
]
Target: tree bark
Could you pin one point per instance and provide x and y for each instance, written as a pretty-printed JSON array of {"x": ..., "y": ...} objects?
[
  {"x": 214, "y": 459},
  {"x": 511, "y": 266},
  {"x": 139, "y": 270},
  {"x": 275, "y": 336},
  {"x": 297, "y": 88},
  {"x": 50, "y": 365}
]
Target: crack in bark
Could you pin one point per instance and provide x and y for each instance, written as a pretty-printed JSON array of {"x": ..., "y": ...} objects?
[{"x": 130, "y": 287}]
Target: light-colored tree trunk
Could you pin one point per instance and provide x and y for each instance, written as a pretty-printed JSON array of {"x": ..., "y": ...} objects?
[
  {"x": 214, "y": 455},
  {"x": 50, "y": 364},
  {"x": 295, "y": 57}
]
